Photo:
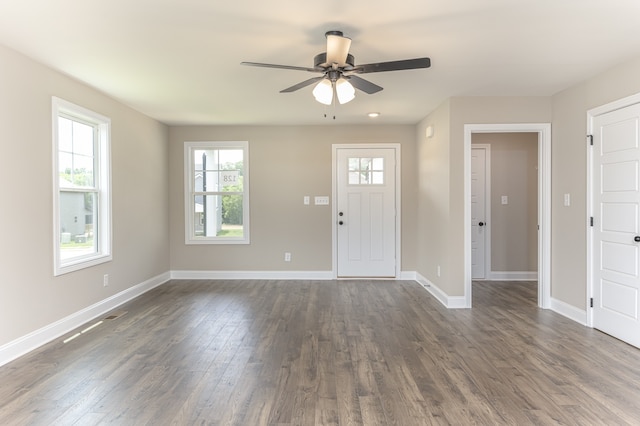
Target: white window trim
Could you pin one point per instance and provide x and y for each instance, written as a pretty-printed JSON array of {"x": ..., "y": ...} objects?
[
  {"x": 104, "y": 231},
  {"x": 189, "y": 237}
]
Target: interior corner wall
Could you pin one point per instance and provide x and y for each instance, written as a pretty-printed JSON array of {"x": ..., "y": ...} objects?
[
  {"x": 286, "y": 163},
  {"x": 446, "y": 212},
  {"x": 569, "y": 171},
  {"x": 433, "y": 220},
  {"x": 31, "y": 298}
]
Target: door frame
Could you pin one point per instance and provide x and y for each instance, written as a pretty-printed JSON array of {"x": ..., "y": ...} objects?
[
  {"x": 591, "y": 114},
  {"x": 487, "y": 206},
  {"x": 334, "y": 198},
  {"x": 544, "y": 203}
]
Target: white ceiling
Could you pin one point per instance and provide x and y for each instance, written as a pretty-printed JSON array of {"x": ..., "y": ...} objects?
[{"x": 178, "y": 61}]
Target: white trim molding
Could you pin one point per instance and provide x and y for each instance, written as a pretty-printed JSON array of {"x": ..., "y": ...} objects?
[
  {"x": 334, "y": 197},
  {"x": 569, "y": 311},
  {"x": 544, "y": 202},
  {"x": 513, "y": 276},
  {"x": 37, "y": 338},
  {"x": 450, "y": 302},
  {"x": 252, "y": 275}
]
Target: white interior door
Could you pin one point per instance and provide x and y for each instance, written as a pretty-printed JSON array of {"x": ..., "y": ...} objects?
[
  {"x": 616, "y": 230},
  {"x": 478, "y": 212},
  {"x": 366, "y": 212}
]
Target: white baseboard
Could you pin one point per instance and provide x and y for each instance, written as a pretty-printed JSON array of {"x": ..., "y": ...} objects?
[
  {"x": 252, "y": 275},
  {"x": 513, "y": 276},
  {"x": 35, "y": 339},
  {"x": 576, "y": 314},
  {"x": 451, "y": 302}
]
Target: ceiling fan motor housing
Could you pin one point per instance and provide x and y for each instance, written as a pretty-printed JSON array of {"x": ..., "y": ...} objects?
[{"x": 320, "y": 62}]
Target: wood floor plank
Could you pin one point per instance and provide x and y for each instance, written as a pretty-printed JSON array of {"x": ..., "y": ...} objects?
[{"x": 260, "y": 352}]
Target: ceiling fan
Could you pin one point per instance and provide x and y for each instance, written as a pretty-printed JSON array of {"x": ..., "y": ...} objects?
[{"x": 339, "y": 71}]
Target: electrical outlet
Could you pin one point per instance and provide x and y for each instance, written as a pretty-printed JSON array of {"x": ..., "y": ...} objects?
[
  {"x": 105, "y": 280},
  {"x": 287, "y": 257}
]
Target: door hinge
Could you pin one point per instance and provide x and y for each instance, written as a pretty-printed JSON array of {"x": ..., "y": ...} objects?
[
  {"x": 591, "y": 302},
  {"x": 590, "y": 139},
  {"x": 591, "y": 221}
]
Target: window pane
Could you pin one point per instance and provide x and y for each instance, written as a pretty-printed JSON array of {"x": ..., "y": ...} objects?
[
  {"x": 378, "y": 164},
  {"x": 354, "y": 164},
  {"x": 218, "y": 216},
  {"x": 77, "y": 217},
  {"x": 377, "y": 178},
  {"x": 65, "y": 140},
  {"x": 65, "y": 165},
  {"x": 354, "y": 178},
  {"x": 83, "y": 139},
  {"x": 83, "y": 170}
]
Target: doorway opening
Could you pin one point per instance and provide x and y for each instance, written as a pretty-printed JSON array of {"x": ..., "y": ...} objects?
[
  {"x": 366, "y": 210},
  {"x": 543, "y": 132}
]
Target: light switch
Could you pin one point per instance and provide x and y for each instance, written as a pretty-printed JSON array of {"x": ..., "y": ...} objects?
[
  {"x": 505, "y": 199},
  {"x": 567, "y": 200},
  {"x": 306, "y": 200}
]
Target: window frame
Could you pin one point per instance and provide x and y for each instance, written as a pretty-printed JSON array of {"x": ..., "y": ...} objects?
[
  {"x": 102, "y": 186},
  {"x": 189, "y": 192}
]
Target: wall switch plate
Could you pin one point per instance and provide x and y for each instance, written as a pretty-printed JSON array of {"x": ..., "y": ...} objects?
[
  {"x": 567, "y": 200},
  {"x": 306, "y": 200},
  {"x": 505, "y": 200},
  {"x": 321, "y": 201},
  {"x": 287, "y": 257},
  {"x": 105, "y": 280}
]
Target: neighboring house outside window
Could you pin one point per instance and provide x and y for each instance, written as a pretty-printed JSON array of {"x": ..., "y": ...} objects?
[
  {"x": 81, "y": 181},
  {"x": 216, "y": 192}
]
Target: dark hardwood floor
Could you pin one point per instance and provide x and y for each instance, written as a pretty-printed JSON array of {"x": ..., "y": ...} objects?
[{"x": 326, "y": 352}]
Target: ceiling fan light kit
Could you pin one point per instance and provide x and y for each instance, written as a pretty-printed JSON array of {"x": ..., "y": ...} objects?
[{"x": 338, "y": 70}]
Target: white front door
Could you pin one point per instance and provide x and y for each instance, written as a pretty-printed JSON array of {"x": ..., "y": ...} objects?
[
  {"x": 366, "y": 212},
  {"x": 616, "y": 230},
  {"x": 478, "y": 213}
]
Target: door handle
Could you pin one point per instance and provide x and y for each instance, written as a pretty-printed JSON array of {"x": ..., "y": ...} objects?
[
  {"x": 482, "y": 224},
  {"x": 340, "y": 223},
  {"x": 637, "y": 239}
]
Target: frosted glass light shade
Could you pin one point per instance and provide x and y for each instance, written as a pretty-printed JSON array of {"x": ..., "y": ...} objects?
[
  {"x": 344, "y": 90},
  {"x": 323, "y": 92}
]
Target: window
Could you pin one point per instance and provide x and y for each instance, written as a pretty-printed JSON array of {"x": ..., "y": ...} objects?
[
  {"x": 216, "y": 192},
  {"x": 366, "y": 171},
  {"x": 81, "y": 185}
]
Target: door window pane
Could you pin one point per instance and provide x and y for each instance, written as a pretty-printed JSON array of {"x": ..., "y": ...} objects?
[{"x": 366, "y": 171}]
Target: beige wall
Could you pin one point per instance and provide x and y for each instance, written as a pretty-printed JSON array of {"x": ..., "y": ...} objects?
[
  {"x": 433, "y": 243},
  {"x": 448, "y": 164},
  {"x": 514, "y": 226},
  {"x": 30, "y": 296},
  {"x": 285, "y": 164}
]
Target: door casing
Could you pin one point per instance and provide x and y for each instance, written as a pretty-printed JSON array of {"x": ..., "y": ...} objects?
[
  {"x": 334, "y": 198},
  {"x": 544, "y": 203}
]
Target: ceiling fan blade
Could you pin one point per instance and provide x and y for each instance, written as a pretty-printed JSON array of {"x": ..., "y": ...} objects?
[
  {"x": 301, "y": 85},
  {"x": 406, "y": 64},
  {"x": 337, "y": 48},
  {"x": 283, "y": 67},
  {"x": 364, "y": 85}
]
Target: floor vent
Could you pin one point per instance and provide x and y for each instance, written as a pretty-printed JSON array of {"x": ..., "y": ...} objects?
[{"x": 115, "y": 315}]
